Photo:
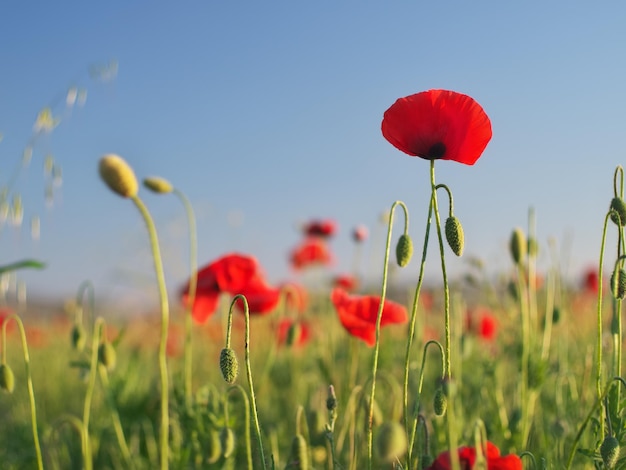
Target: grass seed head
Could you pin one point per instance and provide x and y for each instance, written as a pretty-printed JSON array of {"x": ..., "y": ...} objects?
[
  {"x": 404, "y": 250},
  {"x": 229, "y": 365},
  {"x": 454, "y": 235},
  {"x": 7, "y": 379},
  {"x": 118, "y": 175}
]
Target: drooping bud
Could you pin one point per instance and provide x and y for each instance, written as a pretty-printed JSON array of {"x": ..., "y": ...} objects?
[
  {"x": 618, "y": 284},
  {"x": 7, "y": 379},
  {"x": 118, "y": 175},
  {"x": 78, "y": 337},
  {"x": 227, "y": 440},
  {"x": 107, "y": 355},
  {"x": 229, "y": 365},
  {"x": 158, "y": 185},
  {"x": 609, "y": 450},
  {"x": 454, "y": 235},
  {"x": 293, "y": 333},
  {"x": 619, "y": 206},
  {"x": 440, "y": 402},
  {"x": 518, "y": 246},
  {"x": 404, "y": 250},
  {"x": 391, "y": 441}
]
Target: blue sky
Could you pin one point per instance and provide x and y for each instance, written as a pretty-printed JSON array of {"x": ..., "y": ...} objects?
[{"x": 269, "y": 113}]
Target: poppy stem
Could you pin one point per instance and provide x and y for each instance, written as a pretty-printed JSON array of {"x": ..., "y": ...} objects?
[
  {"x": 379, "y": 315},
  {"x": 29, "y": 380},
  {"x": 165, "y": 317},
  {"x": 246, "y": 401}
]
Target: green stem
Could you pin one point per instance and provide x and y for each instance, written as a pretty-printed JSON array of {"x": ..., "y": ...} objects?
[
  {"x": 240, "y": 389},
  {"x": 29, "y": 380},
  {"x": 379, "y": 315},
  {"x": 165, "y": 316},
  {"x": 193, "y": 284}
]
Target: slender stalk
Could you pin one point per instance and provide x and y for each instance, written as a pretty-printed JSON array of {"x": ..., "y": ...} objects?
[
  {"x": 379, "y": 315},
  {"x": 115, "y": 417},
  {"x": 165, "y": 316},
  {"x": 29, "y": 380},
  {"x": 247, "y": 421}
]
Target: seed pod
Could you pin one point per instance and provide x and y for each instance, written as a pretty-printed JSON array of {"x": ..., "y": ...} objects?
[
  {"x": 107, "y": 355},
  {"x": 518, "y": 246},
  {"x": 227, "y": 440},
  {"x": 78, "y": 337},
  {"x": 229, "y": 365},
  {"x": 299, "y": 453},
  {"x": 7, "y": 379},
  {"x": 158, "y": 185},
  {"x": 619, "y": 206},
  {"x": 391, "y": 442},
  {"x": 440, "y": 402},
  {"x": 118, "y": 175},
  {"x": 454, "y": 235},
  {"x": 618, "y": 284},
  {"x": 404, "y": 250},
  {"x": 609, "y": 450}
]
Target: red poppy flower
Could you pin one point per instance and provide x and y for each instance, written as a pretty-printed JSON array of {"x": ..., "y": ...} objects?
[
  {"x": 300, "y": 330},
  {"x": 320, "y": 228},
  {"x": 312, "y": 251},
  {"x": 488, "y": 327},
  {"x": 346, "y": 282},
  {"x": 467, "y": 457},
  {"x": 261, "y": 297},
  {"x": 591, "y": 281},
  {"x": 360, "y": 233},
  {"x": 438, "y": 125},
  {"x": 358, "y": 314}
]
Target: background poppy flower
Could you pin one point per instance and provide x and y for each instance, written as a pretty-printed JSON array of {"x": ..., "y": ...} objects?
[
  {"x": 467, "y": 457},
  {"x": 360, "y": 233},
  {"x": 320, "y": 228},
  {"x": 302, "y": 329},
  {"x": 438, "y": 125},
  {"x": 312, "y": 251},
  {"x": 261, "y": 297},
  {"x": 358, "y": 314},
  {"x": 346, "y": 282}
]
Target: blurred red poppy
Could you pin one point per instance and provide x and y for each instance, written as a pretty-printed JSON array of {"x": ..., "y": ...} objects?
[
  {"x": 261, "y": 297},
  {"x": 358, "y": 314},
  {"x": 467, "y": 457},
  {"x": 4, "y": 315},
  {"x": 591, "y": 281},
  {"x": 488, "y": 327},
  {"x": 360, "y": 233},
  {"x": 320, "y": 228},
  {"x": 299, "y": 329},
  {"x": 312, "y": 251},
  {"x": 346, "y": 282},
  {"x": 438, "y": 125}
]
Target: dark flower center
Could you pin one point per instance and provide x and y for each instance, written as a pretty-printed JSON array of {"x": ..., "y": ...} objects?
[{"x": 436, "y": 151}]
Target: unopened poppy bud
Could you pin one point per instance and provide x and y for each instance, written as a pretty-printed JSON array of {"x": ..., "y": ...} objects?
[
  {"x": 229, "y": 365},
  {"x": 7, "y": 379},
  {"x": 215, "y": 447},
  {"x": 619, "y": 206},
  {"x": 78, "y": 337},
  {"x": 404, "y": 250},
  {"x": 227, "y": 440},
  {"x": 118, "y": 175},
  {"x": 331, "y": 401},
  {"x": 454, "y": 235},
  {"x": 440, "y": 402},
  {"x": 618, "y": 284},
  {"x": 518, "y": 245},
  {"x": 107, "y": 355},
  {"x": 299, "y": 453},
  {"x": 426, "y": 461},
  {"x": 609, "y": 450},
  {"x": 391, "y": 442},
  {"x": 556, "y": 315},
  {"x": 158, "y": 185},
  {"x": 293, "y": 333}
]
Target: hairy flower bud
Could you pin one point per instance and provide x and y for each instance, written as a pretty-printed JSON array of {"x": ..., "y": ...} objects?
[
  {"x": 454, "y": 235},
  {"x": 391, "y": 442},
  {"x": 440, "y": 402},
  {"x": 609, "y": 450},
  {"x": 518, "y": 246},
  {"x": 619, "y": 206},
  {"x": 7, "y": 379},
  {"x": 78, "y": 337},
  {"x": 229, "y": 365},
  {"x": 404, "y": 250},
  {"x": 118, "y": 175},
  {"x": 227, "y": 440},
  {"x": 158, "y": 185},
  {"x": 618, "y": 284}
]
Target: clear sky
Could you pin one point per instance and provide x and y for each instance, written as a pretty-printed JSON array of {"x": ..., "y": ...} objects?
[{"x": 266, "y": 114}]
